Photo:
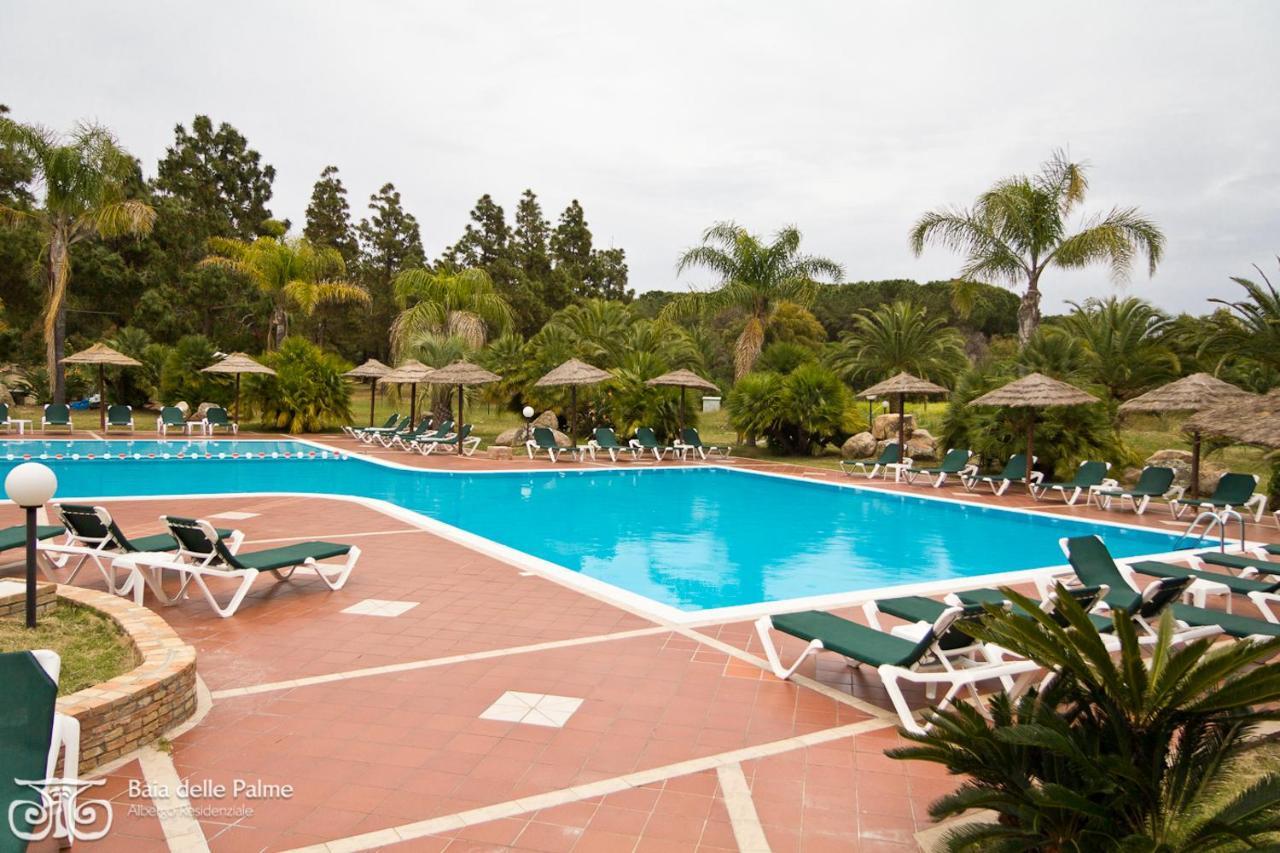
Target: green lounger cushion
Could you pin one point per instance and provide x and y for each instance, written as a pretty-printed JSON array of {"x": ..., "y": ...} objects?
[
  {"x": 953, "y": 463},
  {"x": 850, "y": 639},
  {"x": 16, "y": 536},
  {"x": 1272, "y": 549},
  {"x": 289, "y": 555},
  {"x": 1242, "y": 586},
  {"x": 165, "y": 541},
  {"x": 912, "y": 608},
  {"x": 26, "y": 729},
  {"x": 1239, "y": 561},
  {"x": 1152, "y": 483},
  {"x": 1236, "y": 626}
]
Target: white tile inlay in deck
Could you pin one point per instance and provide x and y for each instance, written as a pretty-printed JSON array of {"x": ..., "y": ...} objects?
[
  {"x": 379, "y": 607},
  {"x": 233, "y": 515},
  {"x": 536, "y": 709}
]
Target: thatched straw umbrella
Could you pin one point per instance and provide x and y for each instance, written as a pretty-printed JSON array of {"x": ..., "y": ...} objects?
[
  {"x": 1034, "y": 391},
  {"x": 238, "y": 363},
  {"x": 371, "y": 370},
  {"x": 902, "y": 385},
  {"x": 1190, "y": 394},
  {"x": 682, "y": 379},
  {"x": 102, "y": 355},
  {"x": 1255, "y": 420},
  {"x": 410, "y": 373},
  {"x": 461, "y": 373},
  {"x": 573, "y": 373}
]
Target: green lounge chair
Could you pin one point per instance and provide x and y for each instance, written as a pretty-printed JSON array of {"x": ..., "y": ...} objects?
[
  {"x": 405, "y": 440},
  {"x": 16, "y": 536},
  {"x": 919, "y": 609},
  {"x": 1015, "y": 471},
  {"x": 93, "y": 535},
  {"x": 604, "y": 438},
  {"x": 369, "y": 436},
  {"x": 1088, "y": 476},
  {"x": 56, "y": 415},
  {"x": 356, "y": 432},
  {"x": 4, "y": 417},
  {"x": 215, "y": 417},
  {"x": 1093, "y": 564},
  {"x": 1234, "y": 492},
  {"x": 545, "y": 440},
  {"x": 1156, "y": 481},
  {"x": 202, "y": 554},
  {"x": 171, "y": 417},
  {"x": 407, "y": 431},
  {"x": 34, "y": 735},
  {"x": 430, "y": 444},
  {"x": 955, "y": 464},
  {"x": 690, "y": 440},
  {"x": 957, "y": 661},
  {"x": 120, "y": 416},
  {"x": 646, "y": 442},
  {"x": 415, "y": 442},
  {"x": 889, "y": 456}
]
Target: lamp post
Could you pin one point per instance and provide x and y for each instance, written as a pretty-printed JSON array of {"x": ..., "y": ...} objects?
[
  {"x": 30, "y": 485},
  {"x": 528, "y": 422}
]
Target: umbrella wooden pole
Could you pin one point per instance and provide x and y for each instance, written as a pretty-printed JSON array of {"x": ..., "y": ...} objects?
[
  {"x": 458, "y": 428},
  {"x": 237, "y": 399},
  {"x": 373, "y": 396},
  {"x": 102, "y": 397},
  {"x": 680, "y": 415},
  {"x": 1031, "y": 440},
  {"x": 1195, "y": 465},
  {"x": 902, "y": 427},
  {"x": 573, "y": 414},
  {"x": 413, "y": 404}
]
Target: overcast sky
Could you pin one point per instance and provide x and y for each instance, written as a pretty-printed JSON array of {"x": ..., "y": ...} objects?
[{"x": 845, "y": 119}]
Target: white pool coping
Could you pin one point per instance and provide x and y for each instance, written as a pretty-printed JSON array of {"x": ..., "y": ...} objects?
[{"x": 648, "y": 607}]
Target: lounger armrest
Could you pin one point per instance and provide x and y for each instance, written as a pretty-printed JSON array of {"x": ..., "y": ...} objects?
[
  {"x": 1177, "y": 492},
  {"x": 1036, "y": 478},
  {"x": 1268, "y": 603}
]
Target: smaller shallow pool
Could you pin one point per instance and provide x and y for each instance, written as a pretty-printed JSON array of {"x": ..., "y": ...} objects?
[{"x": 160, "y": 448}]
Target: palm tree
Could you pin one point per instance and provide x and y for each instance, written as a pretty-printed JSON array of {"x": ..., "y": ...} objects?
[
  {"x": 1124, "y": 340},
  {"x": 1018, "y": 228},
  {"x": 292, "y": 273},
  {"x": 1251, "y": 331},
  {"x": 755, "y": 278},
  {"x": 447, "y": 304},
  {"x": 899, "y": 337},
  {"x": 84, "y": 176}
]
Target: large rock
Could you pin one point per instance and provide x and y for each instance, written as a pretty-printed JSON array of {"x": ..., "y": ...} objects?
[
  {"x": 1180, "y": 462},
  {"x": 886, "y": 426},
  {"x": 922, "y": 445},
  {"x": 183, "y": 407},
  {"x": 204, "y": 410},
  {"x": 547, "y": 419},
  {"x": 517, "y": 437},
  {"x": 859, "y": 446},
  {"x": 6, "y": 398}
]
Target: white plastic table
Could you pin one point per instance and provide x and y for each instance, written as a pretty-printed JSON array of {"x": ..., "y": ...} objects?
[{"x": 20, "y": 424}]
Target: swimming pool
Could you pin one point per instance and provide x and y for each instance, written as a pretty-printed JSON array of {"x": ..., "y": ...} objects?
[
  {"x": 692, "y": 539},
  {"x": 157, "y": 448}
]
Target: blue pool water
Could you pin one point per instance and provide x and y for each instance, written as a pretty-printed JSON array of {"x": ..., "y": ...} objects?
[
  {"x": 693, "y": 539},
  {"x": 148, "y": 448}
]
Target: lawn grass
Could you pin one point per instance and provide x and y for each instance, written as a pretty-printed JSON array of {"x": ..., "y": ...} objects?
[{"x": 92, "y": 647}]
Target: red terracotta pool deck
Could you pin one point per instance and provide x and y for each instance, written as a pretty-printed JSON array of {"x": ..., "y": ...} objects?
[{"x": 683, "y": 739}]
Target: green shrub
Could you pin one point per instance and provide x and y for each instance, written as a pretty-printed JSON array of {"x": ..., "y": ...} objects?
[
  {"x": 797, "y": 413},
  {"x": 784, "y": 357},
  {"x": 180, "y": 376},
  {"x": 307, "y": 393}
]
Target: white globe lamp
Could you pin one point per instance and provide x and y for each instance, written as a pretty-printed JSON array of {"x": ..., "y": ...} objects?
[{"x": 31, "y": 485}]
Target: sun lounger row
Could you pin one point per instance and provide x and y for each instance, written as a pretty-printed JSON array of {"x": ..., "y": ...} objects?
[
  {"x": 605, "y": 440},
  {"x": 192, "y": 549},
  {"x": 426, "y": 437},
  {"x": 931, "y": 647}
]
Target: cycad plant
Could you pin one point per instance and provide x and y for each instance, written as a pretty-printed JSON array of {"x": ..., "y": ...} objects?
[
  {"x": 1124, "y": 338},
  {"x": 1019, "y": 228},
  {"x": 756, "y": 278},
  {"x": 899, "y": 337},
  {"x": 294, "y": 274},
  {"x": 1155, "y": 749},
  {"x": 1249, "y": 331}
]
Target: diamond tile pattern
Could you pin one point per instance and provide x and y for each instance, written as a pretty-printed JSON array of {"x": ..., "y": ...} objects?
[{"x": 535, "y": 709}]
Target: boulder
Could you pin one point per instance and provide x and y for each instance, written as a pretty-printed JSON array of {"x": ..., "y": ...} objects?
[
  {"x": 183, "y": 407},
  {"x": 1180, "y": 462},
  {"x": 886, "y": 426},
  {"x": 6, "y": 398},
  {"x": 547, "y": 419},
  {"x": 517, "y": 437},
  {"x": 859, "y": 446},
  {"x": 922, "y": 445},
  {"x": 204, "y": 409}
]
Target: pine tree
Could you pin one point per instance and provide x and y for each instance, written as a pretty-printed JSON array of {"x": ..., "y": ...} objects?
[
  {"x": 531, "y": 252},
  {"x": 485, "y": 240},
  {"x": 329, "y": 216},
  {"x": 390, "y": 241},
  {"x": 586, "y": 272}
]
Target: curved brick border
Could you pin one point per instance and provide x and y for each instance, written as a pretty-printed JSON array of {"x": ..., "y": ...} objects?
[{"x": 137, "y": 707}]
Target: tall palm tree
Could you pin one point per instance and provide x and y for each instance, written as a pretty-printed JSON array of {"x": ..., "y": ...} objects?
[
  {"x": 1018, "y": 229},
  {"x": 899, "y": 337},
  {"x": 294, "y": 274},
  {"x": 1251, "y": 331},
  {"x": 447, "y": 304},
  {"x": 1124, "y": 340},
  {"x": 84, "y": 176},
  {"x": 755, "y": 278}
]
